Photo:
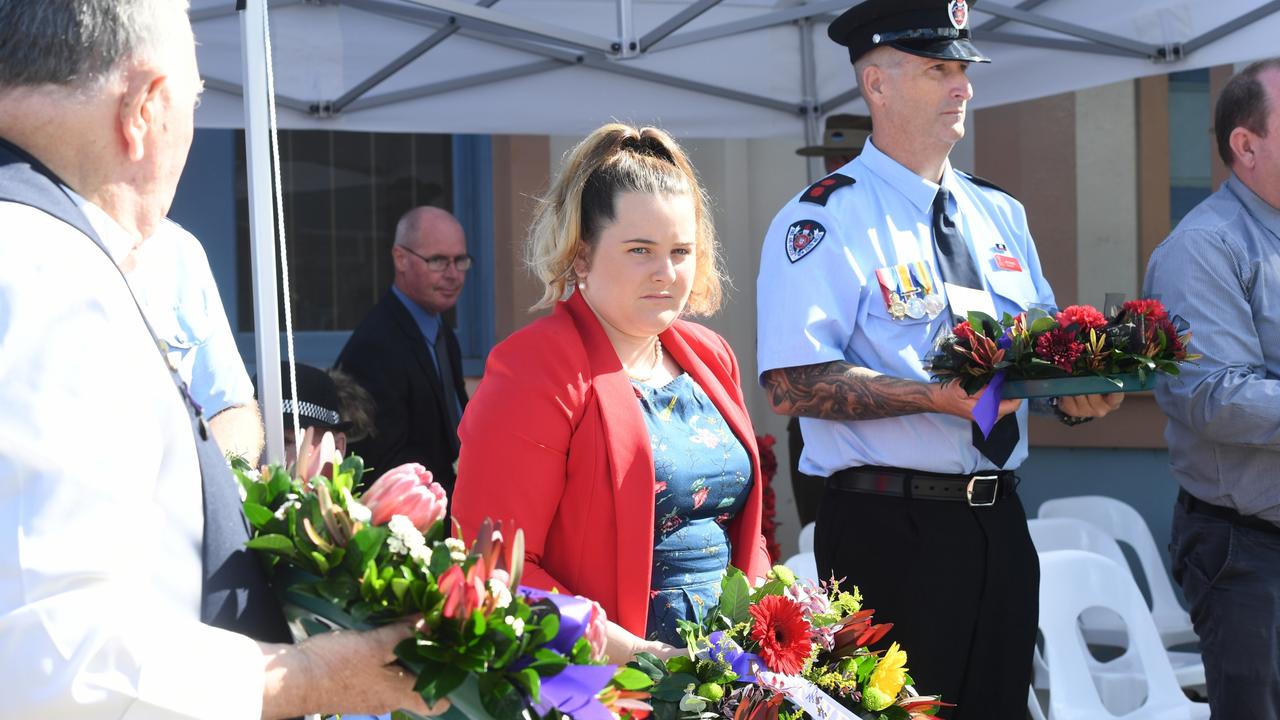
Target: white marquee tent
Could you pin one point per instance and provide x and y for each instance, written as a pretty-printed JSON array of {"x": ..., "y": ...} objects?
[{"x": 699, "y": 68}]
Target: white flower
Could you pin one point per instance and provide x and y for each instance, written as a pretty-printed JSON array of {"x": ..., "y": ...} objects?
[
  {"x": 421, "y": 553},
  {"x": 358, "y": 512},
  {"x": 404, "y": 536},
  {"x": 516, "y": 624},
  {"x": 457, "y": 549},
  {"x": 500, "y": 593},
  {"x": 290, "y": 502}
]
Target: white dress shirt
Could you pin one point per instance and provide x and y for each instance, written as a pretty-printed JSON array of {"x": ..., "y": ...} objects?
[{"x": 100, "y": 499}]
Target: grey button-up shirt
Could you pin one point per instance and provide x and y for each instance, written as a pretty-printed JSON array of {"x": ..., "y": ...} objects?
[{"x": 1220, "y": 270}]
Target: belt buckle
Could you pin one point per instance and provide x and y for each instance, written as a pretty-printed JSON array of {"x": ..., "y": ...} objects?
[{"x": 982, "y": 502}]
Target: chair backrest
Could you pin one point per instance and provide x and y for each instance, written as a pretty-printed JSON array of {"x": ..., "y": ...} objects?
[
  {"x": 806, "y": 538},
  {"x": 1124, "y": 524},
  {"x": 1068, "y": 533},
  {"x": 804, "y": 565},
  {"x": 1072, "y": 581}
]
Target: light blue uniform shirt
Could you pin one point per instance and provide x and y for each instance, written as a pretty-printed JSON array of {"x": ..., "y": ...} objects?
[
  {"x": 827, "y": 304},
  {"x": 175, "y": 288},
  {"x": 1220, "y": 271}
]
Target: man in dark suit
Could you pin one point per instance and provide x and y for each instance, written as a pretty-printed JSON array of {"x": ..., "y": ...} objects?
[{"x": 406, "y": 355}]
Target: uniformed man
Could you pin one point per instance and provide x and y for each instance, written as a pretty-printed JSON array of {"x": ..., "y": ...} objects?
[
  {"x": 860, "y": 274},
  {"x": 842, "y": 139}
]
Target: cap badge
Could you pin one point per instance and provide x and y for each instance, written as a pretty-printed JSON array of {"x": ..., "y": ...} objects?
[{"x": 958, "y": 12}]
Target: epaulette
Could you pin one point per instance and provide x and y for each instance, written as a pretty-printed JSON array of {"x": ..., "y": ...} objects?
[
  {"x": 983, "y": 182},
  {"x": 819, "y": 192}
]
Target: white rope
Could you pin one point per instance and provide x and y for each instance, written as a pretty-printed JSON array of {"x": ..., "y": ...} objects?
[{"x": 278, "y": 194}]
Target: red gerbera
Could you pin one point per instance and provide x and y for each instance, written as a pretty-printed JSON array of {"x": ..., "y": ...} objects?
[
  {"x": 782, "y": 632},
  {"x": 1084, "y": 316},
  {"x": 1059, "y": 347},
  {"x": 1147, "y": 307}
]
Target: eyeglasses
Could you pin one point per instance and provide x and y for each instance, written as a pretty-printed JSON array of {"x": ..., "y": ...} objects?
[{"x": 440, "y": 263}]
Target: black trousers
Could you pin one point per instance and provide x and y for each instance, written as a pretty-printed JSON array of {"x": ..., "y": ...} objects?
[{"x": 960, "y": 584}]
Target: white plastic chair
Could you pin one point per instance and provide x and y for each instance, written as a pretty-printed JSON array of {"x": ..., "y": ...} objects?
[
  {"x": 1122, "y": 522},
  {"x": 804, "y": 565},
  {"x": 1072, "y": 581},
  {"x": 1069, "y": 533},
  {"x": 806, "y": 538}
]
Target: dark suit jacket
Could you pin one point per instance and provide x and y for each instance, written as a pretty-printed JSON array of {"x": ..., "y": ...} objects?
[{"x": 388, "y": 356}]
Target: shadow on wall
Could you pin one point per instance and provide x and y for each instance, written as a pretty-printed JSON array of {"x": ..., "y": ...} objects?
[{"x": 1140, "y": 478}]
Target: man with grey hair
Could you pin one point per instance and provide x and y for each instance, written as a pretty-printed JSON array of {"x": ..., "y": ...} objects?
[
  {"x": 406, "y": 355},
  {"x": 125, "y": 588},
  {"x": 1220, "y": 270}
]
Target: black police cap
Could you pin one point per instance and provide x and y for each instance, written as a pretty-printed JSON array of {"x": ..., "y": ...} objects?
[
  {"x": 318, "y": 404},
  {"x": 929, "y": 28}
]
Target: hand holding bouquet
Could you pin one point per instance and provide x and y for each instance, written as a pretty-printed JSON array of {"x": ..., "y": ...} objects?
[{"x": 492, "y": 647}]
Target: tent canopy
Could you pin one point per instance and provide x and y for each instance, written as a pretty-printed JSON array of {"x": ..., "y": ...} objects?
[{"x": 705, "y": 68}]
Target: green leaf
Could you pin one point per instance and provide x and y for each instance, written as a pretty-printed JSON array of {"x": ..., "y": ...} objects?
[
  {"x": 1041, "y": 325},
  {"x": 322, "y": 562},
  {"x": 439, "y": 684},
  {"x": 650, "y": 665},
  {"x": 257, "y": 514},
  {"x": 672, "y": 687},
  {"x": 632, "y": 679},
  {"x": 278, "y": 544},
  {"x": 440, "y": 560},
  {"x": 735, "y": 596}
]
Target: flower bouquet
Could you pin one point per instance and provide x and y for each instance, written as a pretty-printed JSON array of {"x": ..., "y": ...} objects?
[
  {"x": 788, "y": 648},
  {"x": 494, "y": 648},
  {"x": 1075, "y": 351}
]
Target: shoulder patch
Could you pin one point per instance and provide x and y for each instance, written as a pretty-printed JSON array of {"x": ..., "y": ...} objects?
[
  {"x": 802, "y": 237},
  {"x": 819, "y": 192},
  {"x": 983, "y": 182}
]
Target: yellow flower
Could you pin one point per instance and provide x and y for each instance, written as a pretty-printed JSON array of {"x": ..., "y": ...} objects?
[{"x": 891, "y": 672}]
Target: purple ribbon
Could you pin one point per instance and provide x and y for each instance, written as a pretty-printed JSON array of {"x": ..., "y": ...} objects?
[
  {"x": 987, "y": 410},
  {"x": 575, "y": 617},
  {"x": 724, "y": 649},
  {"x": 574, "y": 689}
]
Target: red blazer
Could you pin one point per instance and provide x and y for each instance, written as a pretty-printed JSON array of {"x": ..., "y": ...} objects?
[{"x": 555, "y": 440}]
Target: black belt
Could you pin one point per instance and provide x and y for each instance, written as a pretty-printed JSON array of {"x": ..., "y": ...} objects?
[
  {"x": 1193, "y": 504},
  {"x": 977, "y": 490}
]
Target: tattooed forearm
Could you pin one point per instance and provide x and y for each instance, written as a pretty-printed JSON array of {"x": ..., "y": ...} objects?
[{"x": 840, "y": 391}]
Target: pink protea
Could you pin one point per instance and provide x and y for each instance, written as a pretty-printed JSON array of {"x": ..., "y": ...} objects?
[{"x": 406, "y": 490}]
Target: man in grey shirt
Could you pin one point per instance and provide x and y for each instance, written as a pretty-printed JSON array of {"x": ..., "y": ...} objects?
[{"x": 1220, "y": 270}]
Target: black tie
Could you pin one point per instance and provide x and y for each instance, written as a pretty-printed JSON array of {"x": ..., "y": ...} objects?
[
  {"x": 956, "y": 265},
  {"x": 445, "y": 365}
]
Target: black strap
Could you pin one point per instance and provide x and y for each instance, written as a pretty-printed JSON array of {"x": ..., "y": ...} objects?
[
  {"x": 957, "y": 266},
  {"x": 235, "y": 594}
]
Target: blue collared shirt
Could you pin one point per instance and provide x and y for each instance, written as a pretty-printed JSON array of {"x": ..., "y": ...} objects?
[
  {"x": 824, "y": 302},
  {"x": 429, "y": 324},
  {"x": 1220, "y": 271},
  {"x": 175, "y": 287}
]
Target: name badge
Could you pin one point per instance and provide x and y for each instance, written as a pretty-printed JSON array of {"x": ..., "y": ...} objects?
[{"x": 1008, "y": 262}]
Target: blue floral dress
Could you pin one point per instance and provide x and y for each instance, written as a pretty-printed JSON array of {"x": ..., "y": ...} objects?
[{"x": 702, "y": 478}]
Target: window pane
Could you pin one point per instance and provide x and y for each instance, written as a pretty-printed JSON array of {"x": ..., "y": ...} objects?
[{"x": 343, "y": 193}]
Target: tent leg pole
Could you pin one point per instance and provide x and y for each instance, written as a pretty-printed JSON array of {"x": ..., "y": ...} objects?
[
  {"x": 809, "y": 87},
  {"x": 262, "y": 239}
]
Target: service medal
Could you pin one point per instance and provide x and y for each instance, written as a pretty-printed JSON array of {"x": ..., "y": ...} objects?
[
  {"x": 898, "y": 309},
  {"x": 915, "y": 307},
  {"x": 934, "y": 305}
]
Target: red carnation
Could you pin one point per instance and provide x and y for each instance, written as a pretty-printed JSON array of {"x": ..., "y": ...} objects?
[
  {"x": 1060, "y": 348},
  {"x": 1084, "y": 316},
  {"x": 1147, "y": 307},
  {"x": 782, "y": 632}
]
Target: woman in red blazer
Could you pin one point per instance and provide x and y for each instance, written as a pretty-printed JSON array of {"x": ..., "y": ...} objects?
[{"x": 562, "y": 435}]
